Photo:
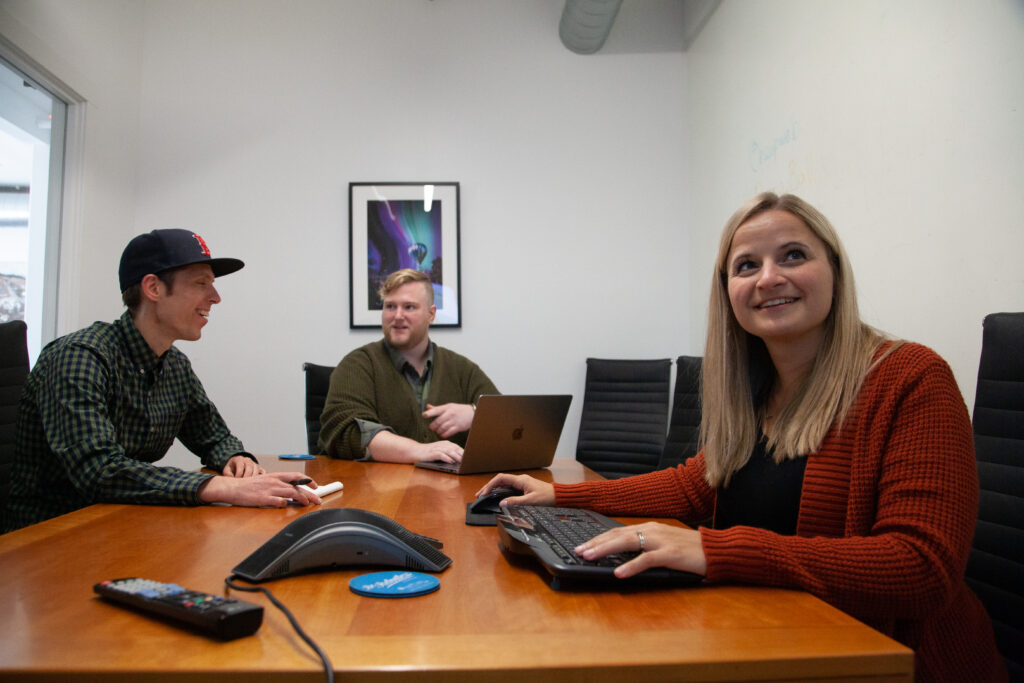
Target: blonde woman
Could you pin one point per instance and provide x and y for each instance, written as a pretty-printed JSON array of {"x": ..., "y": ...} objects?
[{"x": 832, "y": 459}]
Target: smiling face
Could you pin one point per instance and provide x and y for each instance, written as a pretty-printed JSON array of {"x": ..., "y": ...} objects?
[
  {"x": 181, "y": 311},
  {"x": 407, "y": 316},
  {"x": 780, "y": 280}
]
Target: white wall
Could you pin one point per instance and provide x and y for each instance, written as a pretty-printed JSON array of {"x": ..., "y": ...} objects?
[
  {"x": 253, "y": 116},
  {"x": 593, "y": 188},
  {"x": 902, "y": 121}
]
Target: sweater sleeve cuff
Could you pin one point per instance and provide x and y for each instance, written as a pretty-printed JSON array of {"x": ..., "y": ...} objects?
[
  {"x": 734, "y": 554},
  {"x": 574, "y": 495}
]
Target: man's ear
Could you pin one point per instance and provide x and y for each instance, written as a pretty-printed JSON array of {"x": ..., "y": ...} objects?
[
  {"x": 152, "y": 288},
  {"x": 433, "y": 312}
]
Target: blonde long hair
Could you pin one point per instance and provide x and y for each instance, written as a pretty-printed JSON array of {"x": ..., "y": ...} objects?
[{"x": 737, "y": 372}]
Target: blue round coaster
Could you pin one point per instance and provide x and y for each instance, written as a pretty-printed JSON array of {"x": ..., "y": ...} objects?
[{"x": 395, "y": 584}]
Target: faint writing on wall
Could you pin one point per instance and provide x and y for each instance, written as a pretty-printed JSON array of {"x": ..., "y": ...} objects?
[
  {"x": 762, "y": 153},
  {"x": 776, "y": 162}
]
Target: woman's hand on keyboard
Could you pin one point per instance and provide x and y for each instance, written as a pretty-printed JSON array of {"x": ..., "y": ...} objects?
[
  {"x": 663, "y": 546},
  {"x": 534, "y": 491}
]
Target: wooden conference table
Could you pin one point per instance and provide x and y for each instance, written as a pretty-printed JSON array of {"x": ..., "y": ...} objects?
[{"x": 491, "y": 620}]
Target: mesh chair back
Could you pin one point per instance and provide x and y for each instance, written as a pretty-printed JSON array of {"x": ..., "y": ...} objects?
[
  {"x": 995, "y": 570},
  {"x": 318, "y": 381},
  {"x": 625, "y": 412},
  {"x": 684, "y": 426},
  {"x": 13, "y": 371}
]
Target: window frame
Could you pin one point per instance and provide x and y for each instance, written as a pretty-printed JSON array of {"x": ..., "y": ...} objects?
[{"x": 64, "y": 198}]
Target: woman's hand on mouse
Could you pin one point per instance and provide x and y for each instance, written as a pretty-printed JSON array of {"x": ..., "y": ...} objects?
[{"x": 535, "y": 491}]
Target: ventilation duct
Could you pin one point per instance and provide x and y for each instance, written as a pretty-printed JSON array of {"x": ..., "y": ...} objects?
[{"x": 585, "y": 24}]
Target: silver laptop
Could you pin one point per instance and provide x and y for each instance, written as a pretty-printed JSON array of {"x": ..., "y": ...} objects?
[{"x": 510, "y": 433}]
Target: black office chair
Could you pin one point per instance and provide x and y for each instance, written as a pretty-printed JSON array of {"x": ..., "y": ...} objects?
[
  {"x": 684, "y": 425},
  {"x": 995, "y": 569},
  {"x": 625, "y": 412},
  {"x": 318, "y": 380},
  {"x": 13, "y": 371}
]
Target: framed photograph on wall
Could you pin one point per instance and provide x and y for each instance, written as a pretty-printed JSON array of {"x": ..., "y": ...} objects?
[{"x": 403, "y": 225}]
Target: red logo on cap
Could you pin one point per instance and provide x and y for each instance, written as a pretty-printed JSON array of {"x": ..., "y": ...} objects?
[{"x": 202, "y": 244}]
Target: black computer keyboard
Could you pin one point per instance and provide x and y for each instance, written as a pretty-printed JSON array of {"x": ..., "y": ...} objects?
[
  {"x": 566, "y": 528},
  {"x": 550, "y": 534}
]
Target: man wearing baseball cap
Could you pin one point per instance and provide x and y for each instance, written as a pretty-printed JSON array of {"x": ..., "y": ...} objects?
[{"x": 103, "y": 404}]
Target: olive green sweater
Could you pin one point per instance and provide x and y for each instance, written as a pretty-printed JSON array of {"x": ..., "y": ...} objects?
[{"x": 366, "y": 386}]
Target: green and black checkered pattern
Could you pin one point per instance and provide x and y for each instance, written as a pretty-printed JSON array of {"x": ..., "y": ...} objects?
[{"x": 98, "y": 408}]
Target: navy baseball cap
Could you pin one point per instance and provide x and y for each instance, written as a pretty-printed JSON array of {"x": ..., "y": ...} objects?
[{"x": 161, "y": 250}]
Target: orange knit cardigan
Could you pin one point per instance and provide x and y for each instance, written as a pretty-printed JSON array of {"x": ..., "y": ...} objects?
[{"x": 887, "y": 515}]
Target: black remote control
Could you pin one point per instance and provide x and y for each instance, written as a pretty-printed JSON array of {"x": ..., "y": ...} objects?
[{"x": 225, "y": 618}]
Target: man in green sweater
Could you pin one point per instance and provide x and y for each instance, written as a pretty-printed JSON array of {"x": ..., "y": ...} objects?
[{"x": 403, "y": 398}]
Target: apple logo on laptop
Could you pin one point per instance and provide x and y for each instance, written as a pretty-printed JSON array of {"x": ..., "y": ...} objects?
[{"x": 517, "y": 433}]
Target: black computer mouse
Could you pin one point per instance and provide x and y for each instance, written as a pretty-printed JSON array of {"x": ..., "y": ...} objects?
[{"x": 488, "y": 502}]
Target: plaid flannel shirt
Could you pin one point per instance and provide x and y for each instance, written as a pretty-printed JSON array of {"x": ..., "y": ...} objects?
[{"x": 97, "y": 409}]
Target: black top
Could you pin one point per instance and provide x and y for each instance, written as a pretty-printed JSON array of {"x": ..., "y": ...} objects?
[{"x": 762, "y": 494}]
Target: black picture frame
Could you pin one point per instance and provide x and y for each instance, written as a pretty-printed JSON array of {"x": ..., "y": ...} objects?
[{"x": 394, "y": 225}]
